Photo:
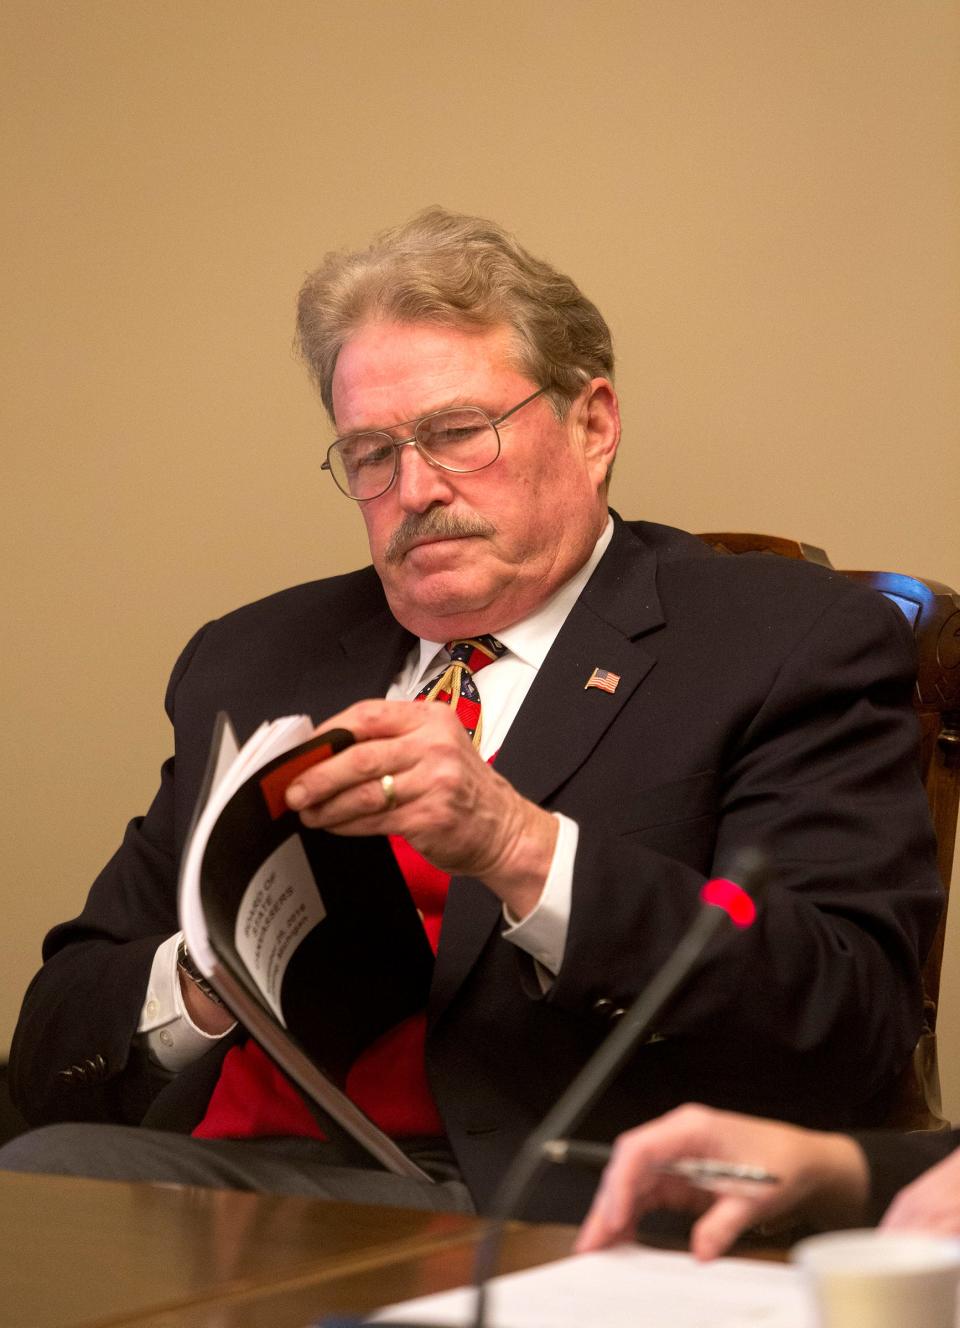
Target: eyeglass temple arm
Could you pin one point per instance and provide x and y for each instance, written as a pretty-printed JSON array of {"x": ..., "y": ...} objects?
[{"x": 519, "y": 406}]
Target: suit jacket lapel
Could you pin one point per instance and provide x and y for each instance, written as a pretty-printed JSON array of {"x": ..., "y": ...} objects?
[
  {"x": 362, "y": 663},
  {"x": 380, "y": 638},
  {"x": 560, "y": 722}
]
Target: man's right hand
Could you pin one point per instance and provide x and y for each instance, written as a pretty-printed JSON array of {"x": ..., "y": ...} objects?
[{"x": 823, "y": 1177}]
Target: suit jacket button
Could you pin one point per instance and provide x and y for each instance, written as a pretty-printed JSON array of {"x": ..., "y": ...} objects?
[{"x": 603, "y": 1005}]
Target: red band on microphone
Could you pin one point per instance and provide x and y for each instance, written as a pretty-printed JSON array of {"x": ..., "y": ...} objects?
[{"x": 734, "y": 900}]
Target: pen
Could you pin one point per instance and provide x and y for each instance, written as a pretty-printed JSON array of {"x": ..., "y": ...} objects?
[{"x": 703, "y": 1172}]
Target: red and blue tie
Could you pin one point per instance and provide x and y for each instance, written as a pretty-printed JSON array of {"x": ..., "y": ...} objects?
[{"x": 455, "y": 685}]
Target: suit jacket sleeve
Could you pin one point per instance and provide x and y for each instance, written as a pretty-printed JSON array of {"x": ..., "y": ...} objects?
[{"x": 73, "y": 1055}]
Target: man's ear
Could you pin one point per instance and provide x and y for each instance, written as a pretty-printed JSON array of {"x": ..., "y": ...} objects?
[{"x": 599, "y": 421}]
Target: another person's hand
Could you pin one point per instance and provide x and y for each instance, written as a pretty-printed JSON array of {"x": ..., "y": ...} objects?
[
  {"x": 446, "y": 801},
  {"x": 821, "y": 1177},
  {"x": 930, "y": 1203}
]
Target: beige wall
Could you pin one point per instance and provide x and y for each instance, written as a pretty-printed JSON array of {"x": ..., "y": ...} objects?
[{"x": 762, "y": 195}]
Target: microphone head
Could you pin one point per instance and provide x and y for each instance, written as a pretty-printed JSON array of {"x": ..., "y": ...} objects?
[{"x": 736, "y": 889}]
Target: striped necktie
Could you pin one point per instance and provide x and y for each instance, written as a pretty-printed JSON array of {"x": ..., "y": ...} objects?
[{"x": 455, "y": 686}]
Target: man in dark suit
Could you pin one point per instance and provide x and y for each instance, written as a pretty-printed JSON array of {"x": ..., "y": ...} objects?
[{"x": 647, "y": 708}]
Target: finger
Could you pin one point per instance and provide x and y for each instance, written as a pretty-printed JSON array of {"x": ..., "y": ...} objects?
[
  {"x": 362, "y": 764},
  {"x": 371, "y": 807},
  {"x": 611, "y": 1218},
  {"x": 431, "y": 788},
  {"x": 612, "y": 1211},
  {"x": 440, "y": 748},
  {"x": 726, "y": 1219},
  {"x": 908, "y": 1214},
  {"x": 615, "y": 1214},
  {"x": 629, "y": 1189},
  {"x": 893, "y": 1218},
  {"x": 595, "y": 1233},
  {"x": 631, "y": 1174},
  {"x": 936, "y": 1221},
  {"x": 376, "y": 718}
]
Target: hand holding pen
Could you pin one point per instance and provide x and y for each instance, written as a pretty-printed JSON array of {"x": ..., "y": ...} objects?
[
  {"x": 705, "y": 1173},
  {"x": 732, "y": 1171}
]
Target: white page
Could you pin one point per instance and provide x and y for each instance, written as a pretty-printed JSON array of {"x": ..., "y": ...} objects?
[
  {"x": 627, "y": 1287},
  {"x": 226, "y": 755},
  {"x": 269, "y": 740},
  {"x": 271, "y": 922}
]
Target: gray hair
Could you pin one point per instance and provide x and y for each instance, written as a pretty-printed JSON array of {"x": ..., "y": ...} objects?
[{"x": 459, "y": 271}]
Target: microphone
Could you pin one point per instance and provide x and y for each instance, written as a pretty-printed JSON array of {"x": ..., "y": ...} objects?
[{"x": 728, "y": 899}]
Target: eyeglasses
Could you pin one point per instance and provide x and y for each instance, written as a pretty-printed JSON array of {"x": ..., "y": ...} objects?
[{"x": 461, "y": 439}]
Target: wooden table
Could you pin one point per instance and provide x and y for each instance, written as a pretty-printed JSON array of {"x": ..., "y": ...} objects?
[{"x": 106, "y": 1254}]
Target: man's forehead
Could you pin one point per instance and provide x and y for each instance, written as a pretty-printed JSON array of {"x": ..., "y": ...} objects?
[{"x": 388, "y": 372}]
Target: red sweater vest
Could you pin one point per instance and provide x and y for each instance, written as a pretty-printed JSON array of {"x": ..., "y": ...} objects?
[{"x": 254, "y": 1099}]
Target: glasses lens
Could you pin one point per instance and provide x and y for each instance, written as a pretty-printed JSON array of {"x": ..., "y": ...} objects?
[
  {"x": 363, "y": 464},
  {"x": 462, "y": 439}
]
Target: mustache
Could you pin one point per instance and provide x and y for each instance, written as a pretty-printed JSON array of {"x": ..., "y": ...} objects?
[{"x": 435, "y": 523}]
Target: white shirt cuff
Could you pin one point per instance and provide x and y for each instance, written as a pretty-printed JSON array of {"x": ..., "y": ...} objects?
[
  {"x": 172, "y": 1039},
  {"x": 543, "y": 932}
]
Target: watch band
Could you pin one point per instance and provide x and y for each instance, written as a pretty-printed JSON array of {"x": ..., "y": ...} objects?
[{"x": 187, "y": 966}]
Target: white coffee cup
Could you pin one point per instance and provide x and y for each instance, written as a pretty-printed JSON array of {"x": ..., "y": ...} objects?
[{"x": 881, "y": 1279}]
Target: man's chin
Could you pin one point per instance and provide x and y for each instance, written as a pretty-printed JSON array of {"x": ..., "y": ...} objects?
[{"x": 441, "y": 606}]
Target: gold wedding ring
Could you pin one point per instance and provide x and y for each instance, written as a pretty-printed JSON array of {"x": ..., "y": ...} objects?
[{"x": 389, "y": 792}]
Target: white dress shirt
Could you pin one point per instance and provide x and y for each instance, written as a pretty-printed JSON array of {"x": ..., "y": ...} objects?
[{"x": 172, "y": 1038}]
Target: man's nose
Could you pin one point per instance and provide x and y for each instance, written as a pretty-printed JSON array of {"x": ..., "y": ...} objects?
[{"x": 419, "y": 483}]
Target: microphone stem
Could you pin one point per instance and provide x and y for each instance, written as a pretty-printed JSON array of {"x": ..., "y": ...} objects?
[{"x": 583, "y": 1091}]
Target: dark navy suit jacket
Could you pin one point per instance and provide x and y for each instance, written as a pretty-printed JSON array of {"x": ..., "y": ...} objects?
[{"x": 761, "y": 701}]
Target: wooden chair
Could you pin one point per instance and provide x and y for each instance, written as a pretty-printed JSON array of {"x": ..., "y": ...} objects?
[{"x": 933, "y": 612}]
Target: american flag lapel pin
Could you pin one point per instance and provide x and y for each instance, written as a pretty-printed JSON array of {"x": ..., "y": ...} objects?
[{"x": 604, "y": 679}]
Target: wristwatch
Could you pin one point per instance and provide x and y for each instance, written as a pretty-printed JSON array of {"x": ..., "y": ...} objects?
[{"x": 188, "y": 968}]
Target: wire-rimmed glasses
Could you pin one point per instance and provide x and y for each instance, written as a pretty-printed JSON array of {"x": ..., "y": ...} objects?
[{"x": 461, "y": 439}]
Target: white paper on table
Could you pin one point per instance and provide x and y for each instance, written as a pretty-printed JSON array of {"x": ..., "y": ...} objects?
[{"x": 627, "y": 1287}]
